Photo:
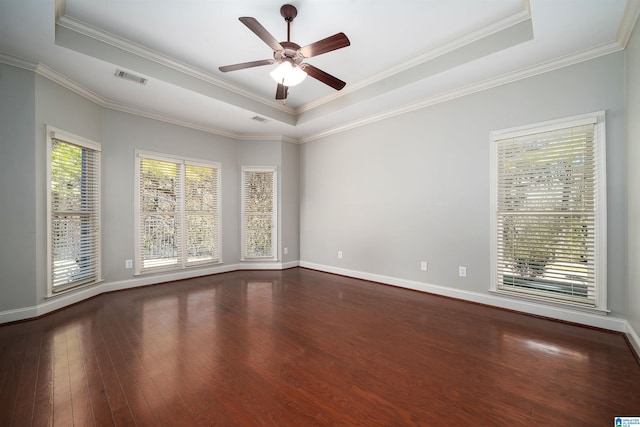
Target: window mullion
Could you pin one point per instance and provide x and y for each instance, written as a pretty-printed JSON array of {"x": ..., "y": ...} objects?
[{"x": 182, "y": 231}]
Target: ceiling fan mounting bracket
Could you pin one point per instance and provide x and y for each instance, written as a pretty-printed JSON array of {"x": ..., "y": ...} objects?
[{"x": 288, "y": 12}]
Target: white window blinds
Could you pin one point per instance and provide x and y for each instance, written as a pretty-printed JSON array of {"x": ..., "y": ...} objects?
[
  {"x": 178, "y": 222},
  {"x": 201, "y": 213},
  {"x": 259, "y": 217},
  {"x": 74, "y": 211},
  {"x": 160, "y": 216},
  {"x": 547, "y": 215}
]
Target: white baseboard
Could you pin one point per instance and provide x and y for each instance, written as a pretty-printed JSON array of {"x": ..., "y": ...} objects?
[
  {"x": 18, "y": 314},
  {"x": 58, "y": 302},
  {"x": 634, "y": 339},
  {"x": 553, "y": 312},
  {"x": 248, "y": 265},
  {"x": 560, "y": 313},
  {"x": 66, "y": 299},
  {"x": 290, "y": 264}
]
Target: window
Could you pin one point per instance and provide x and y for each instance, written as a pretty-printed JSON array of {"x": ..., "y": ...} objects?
[
  {"x": 73, "y": 214},
  {"x": 259, "y": 216},
  {"x": 178, "y": 204},
  {"x": 549, "y": 212}
]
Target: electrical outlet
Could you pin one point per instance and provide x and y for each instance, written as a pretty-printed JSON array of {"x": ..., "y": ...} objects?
[
  {"x": 423, "y": 265},
  {"x": 128, "y": 263},
  {"x": 339, "y": 254},
  {"x": 286, "y": 251},
  {"x": 462, "y": 271}
]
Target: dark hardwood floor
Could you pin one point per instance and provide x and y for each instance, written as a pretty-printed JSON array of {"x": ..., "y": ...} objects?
[{"x": 301, "y": 348}]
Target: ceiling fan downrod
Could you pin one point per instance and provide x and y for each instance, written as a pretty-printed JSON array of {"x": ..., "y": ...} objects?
[{"x": 288, "y": 12}]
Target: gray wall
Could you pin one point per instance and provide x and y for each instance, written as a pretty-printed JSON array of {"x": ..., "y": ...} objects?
[
  {"x": 416, "y": 187},
  {"x": 124, "y": 133},
  {"x": 633, "y": 190},
  {"x": 29, "y": 102},
  {"x": 17, "y": 188},
  {"x": 290, "y": 208},
  {"x": 65, "y": 110}
]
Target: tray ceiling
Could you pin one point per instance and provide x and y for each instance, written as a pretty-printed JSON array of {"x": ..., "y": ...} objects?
[{"x": 403, "y": 54}]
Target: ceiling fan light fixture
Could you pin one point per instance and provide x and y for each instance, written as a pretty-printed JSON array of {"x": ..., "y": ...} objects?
[
  {"x": 290, "y": 56},
  {"x": 288, "y": 74}
]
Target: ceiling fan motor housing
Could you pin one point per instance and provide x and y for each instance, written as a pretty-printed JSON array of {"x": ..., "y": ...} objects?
[{"x": 290, "y": 53}]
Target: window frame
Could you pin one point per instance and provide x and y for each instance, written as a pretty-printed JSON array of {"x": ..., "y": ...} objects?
[
  {"x": 53, "y": 133},
  {"x": 274, "y": 214},
  {"x": 183, "y": 262},
  {"x": 600, "y": 207}
]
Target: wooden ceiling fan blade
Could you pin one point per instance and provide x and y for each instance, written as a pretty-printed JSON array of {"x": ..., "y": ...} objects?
[
  {"x": 282, "y": 91},
  {"x": 322, "y": 76},
  {"x": 334, "y": 42},
  {"x": 261, "y": 32},
  {"x": 244, "y": 65}
]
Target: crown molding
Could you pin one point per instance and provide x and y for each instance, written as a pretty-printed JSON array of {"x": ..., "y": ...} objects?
[
  {"x": 71, "y": 85},
  {"x": 429, "y": 55},
  {"x": 629, "y": 19},
  {"x": 631, "y": 14},
  {"x": 267, "y": 137},
  {"x": 168, "y": 119},
  {"x": 192, "y": 125},
  {"x": 511, "y": 77},
  {"x": 524, "y": 73},
  {"x": 88, "y": 30},
  {"x": 67, "y": 83},
  {"x": 17, "y": 62},
  {"x": 291, "y": 140}
]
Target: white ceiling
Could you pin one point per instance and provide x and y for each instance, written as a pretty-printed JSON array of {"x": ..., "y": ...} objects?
[{"x": 404, "y": 54}]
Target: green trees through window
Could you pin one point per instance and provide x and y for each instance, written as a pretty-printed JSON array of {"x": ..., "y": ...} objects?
[{"x": 74, "y": 214}]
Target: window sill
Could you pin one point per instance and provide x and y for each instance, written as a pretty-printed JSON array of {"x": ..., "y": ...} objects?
[
  {"x": 178, "y": 269},
  {"x": 551, "y": 303},
  {"x": 68, "y": 291}
]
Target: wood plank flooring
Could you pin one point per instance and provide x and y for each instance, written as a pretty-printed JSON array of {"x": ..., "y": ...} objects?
[{"x": 301, "y": 348}]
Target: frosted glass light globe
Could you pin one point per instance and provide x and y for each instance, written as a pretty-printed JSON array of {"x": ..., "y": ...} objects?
[{"x": 287, "y": 74}]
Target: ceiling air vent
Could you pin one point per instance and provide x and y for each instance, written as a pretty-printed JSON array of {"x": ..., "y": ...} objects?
[
  {"x": 131, "y": 77},
  {"x": 259, "y": 119}
]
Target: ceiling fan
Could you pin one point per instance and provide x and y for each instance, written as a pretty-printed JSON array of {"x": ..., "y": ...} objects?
[{"x": 292, "y": 70}]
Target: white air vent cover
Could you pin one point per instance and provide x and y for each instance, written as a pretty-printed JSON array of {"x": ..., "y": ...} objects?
[
  {"x": 131, "y": 77},
  {"x": 259, "y": 119}
]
